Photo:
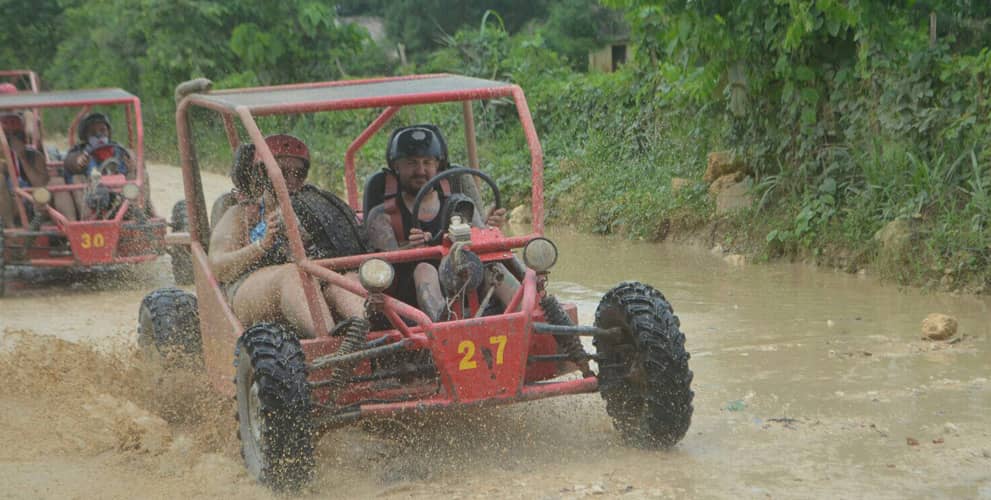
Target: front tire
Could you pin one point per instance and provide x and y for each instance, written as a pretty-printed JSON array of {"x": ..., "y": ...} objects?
[
  {"x": 273, "y": 407},
  {"x": 643, "y": 372},
  {"x": 182, "y": 259}
]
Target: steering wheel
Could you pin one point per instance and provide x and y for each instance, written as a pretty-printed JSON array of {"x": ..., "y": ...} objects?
[
  {"x": 110, "y": 167},
  {"x": 435, "y": 181},
  {"x": 111, "y": 162}
]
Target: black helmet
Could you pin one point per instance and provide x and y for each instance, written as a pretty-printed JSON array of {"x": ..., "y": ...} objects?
[
  {"x": 417, "y": 140},
  {"x": 90, "y": 120}
]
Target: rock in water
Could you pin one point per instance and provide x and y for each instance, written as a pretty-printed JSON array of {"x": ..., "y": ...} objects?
[{"x": 938, "y": 326}]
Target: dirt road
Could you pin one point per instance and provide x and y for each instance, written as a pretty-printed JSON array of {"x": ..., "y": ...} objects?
[{"x": 808, "y": 384}]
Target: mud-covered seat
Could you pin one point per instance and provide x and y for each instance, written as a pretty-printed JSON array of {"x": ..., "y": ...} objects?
[
  {"x": 333, "y": 227},
  {"x": 328, "y": 225}
]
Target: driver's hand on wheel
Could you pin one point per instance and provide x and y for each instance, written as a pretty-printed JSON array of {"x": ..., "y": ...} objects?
[
  {"x": 82, "y": 160},
  {"x": 496, "y": 217},
  {"x": 418, "y": 237}
]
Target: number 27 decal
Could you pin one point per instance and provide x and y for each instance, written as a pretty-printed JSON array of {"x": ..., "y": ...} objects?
[{"x": 467, "y": 348}]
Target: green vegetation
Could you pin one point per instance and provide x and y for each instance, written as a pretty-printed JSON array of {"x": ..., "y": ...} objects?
[{"x": 850, "y": 113}]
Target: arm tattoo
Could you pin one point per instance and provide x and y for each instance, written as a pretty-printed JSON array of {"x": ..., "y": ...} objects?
[{"x": 380, "y": 234}]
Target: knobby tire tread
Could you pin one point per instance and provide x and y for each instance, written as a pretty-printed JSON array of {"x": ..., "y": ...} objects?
[
  {"x": 279, "y": 367},
  {"x": 175, "y": 323},
  {"x": 656, "y": 413}
]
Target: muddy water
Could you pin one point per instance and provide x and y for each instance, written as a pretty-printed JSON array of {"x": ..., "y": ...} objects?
[{"x": 808, "y": 384}]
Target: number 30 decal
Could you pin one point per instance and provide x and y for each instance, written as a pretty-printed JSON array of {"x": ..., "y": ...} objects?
[
  {"x": 467, "y": 348},
  {"x": 93, "y": 241}
]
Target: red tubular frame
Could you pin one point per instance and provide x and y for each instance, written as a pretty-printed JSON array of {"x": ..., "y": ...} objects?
[
  {"x": 292, "y": 227},
  {"x": 528, "y": 393},
  {"x": 423, "y": 253},
  {"x": 350, "y": 176},
  {"x": 135, "y": 126},
  {"x": 523, "y": 307}
]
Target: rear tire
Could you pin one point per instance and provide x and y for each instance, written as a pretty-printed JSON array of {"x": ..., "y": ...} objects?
[
  {"x": 182, "y": 259},
  {"x": 273, "y": 407},
  {"x": 643, "y": 374},
  {"x": 169, "y": 327}
]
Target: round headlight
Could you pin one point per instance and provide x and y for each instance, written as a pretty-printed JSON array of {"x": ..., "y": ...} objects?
[
  {"x": 41, "y": 195},
  {"x": 376, "y": 275},
  {"x": 131, "y": 191},
  {"x": 540, "y": 254}
]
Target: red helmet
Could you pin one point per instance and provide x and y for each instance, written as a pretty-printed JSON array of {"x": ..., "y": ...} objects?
[
  {"x": 7, "y": 88},
  {"x": 11, "y": 123},
  {"x": 287, "y": 145}
]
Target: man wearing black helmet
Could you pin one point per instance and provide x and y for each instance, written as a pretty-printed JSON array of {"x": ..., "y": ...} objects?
[
  {"x": 97, "y": 149},
  {"x": 94, "y": 132},
  {"x": 415, "y": 155}
]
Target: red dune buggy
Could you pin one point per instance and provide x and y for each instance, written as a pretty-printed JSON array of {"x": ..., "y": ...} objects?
[
  {"x": 289, "y": 391},
  {"x": 119, "y": 228}
]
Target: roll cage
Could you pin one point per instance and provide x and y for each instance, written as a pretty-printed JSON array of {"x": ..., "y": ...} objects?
[
  {"x": 85, "y": 100},
  {"x": 388, "y": 94}
]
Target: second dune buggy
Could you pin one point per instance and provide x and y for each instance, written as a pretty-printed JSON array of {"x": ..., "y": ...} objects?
[{"x": 119, "y": 227}]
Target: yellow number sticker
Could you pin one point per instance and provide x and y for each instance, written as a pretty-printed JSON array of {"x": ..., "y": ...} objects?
[
  {"x": 93, "y": 241},
  {"x": 501, "y": 341},
  {"x": 467, "y": 348}
]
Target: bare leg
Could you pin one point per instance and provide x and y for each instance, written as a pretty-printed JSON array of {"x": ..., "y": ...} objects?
[
  {"x": 428, "y": 294},
  {"x": 63, "y": 199},
  {"x": 274, "y": 293},
  {"x": 78, "y": 197},
  {"x": 347, "y": 304},
  {"x": 505, "y": 290}
]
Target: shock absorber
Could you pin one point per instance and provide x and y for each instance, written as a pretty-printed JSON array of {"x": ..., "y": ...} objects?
[
  {"x": 354, "y": 331},
  {"x": 570, "y": 345}
]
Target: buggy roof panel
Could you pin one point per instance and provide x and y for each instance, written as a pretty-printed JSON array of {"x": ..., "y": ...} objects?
[
  {"x": 355, "y": 94},
  {"x": 65, "y": 98}
]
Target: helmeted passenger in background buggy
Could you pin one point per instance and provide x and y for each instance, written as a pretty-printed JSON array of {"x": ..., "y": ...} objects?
[{"x": 97, "y": 152}]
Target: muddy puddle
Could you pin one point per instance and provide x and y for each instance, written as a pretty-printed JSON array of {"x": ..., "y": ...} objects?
[{"x": 808, "y": 384}]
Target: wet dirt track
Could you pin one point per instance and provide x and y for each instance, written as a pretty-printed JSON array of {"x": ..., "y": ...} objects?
[{"x": 808, "y": 384}]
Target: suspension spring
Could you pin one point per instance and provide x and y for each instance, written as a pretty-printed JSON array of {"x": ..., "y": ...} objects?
[{"x": 355, "y": 330}]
